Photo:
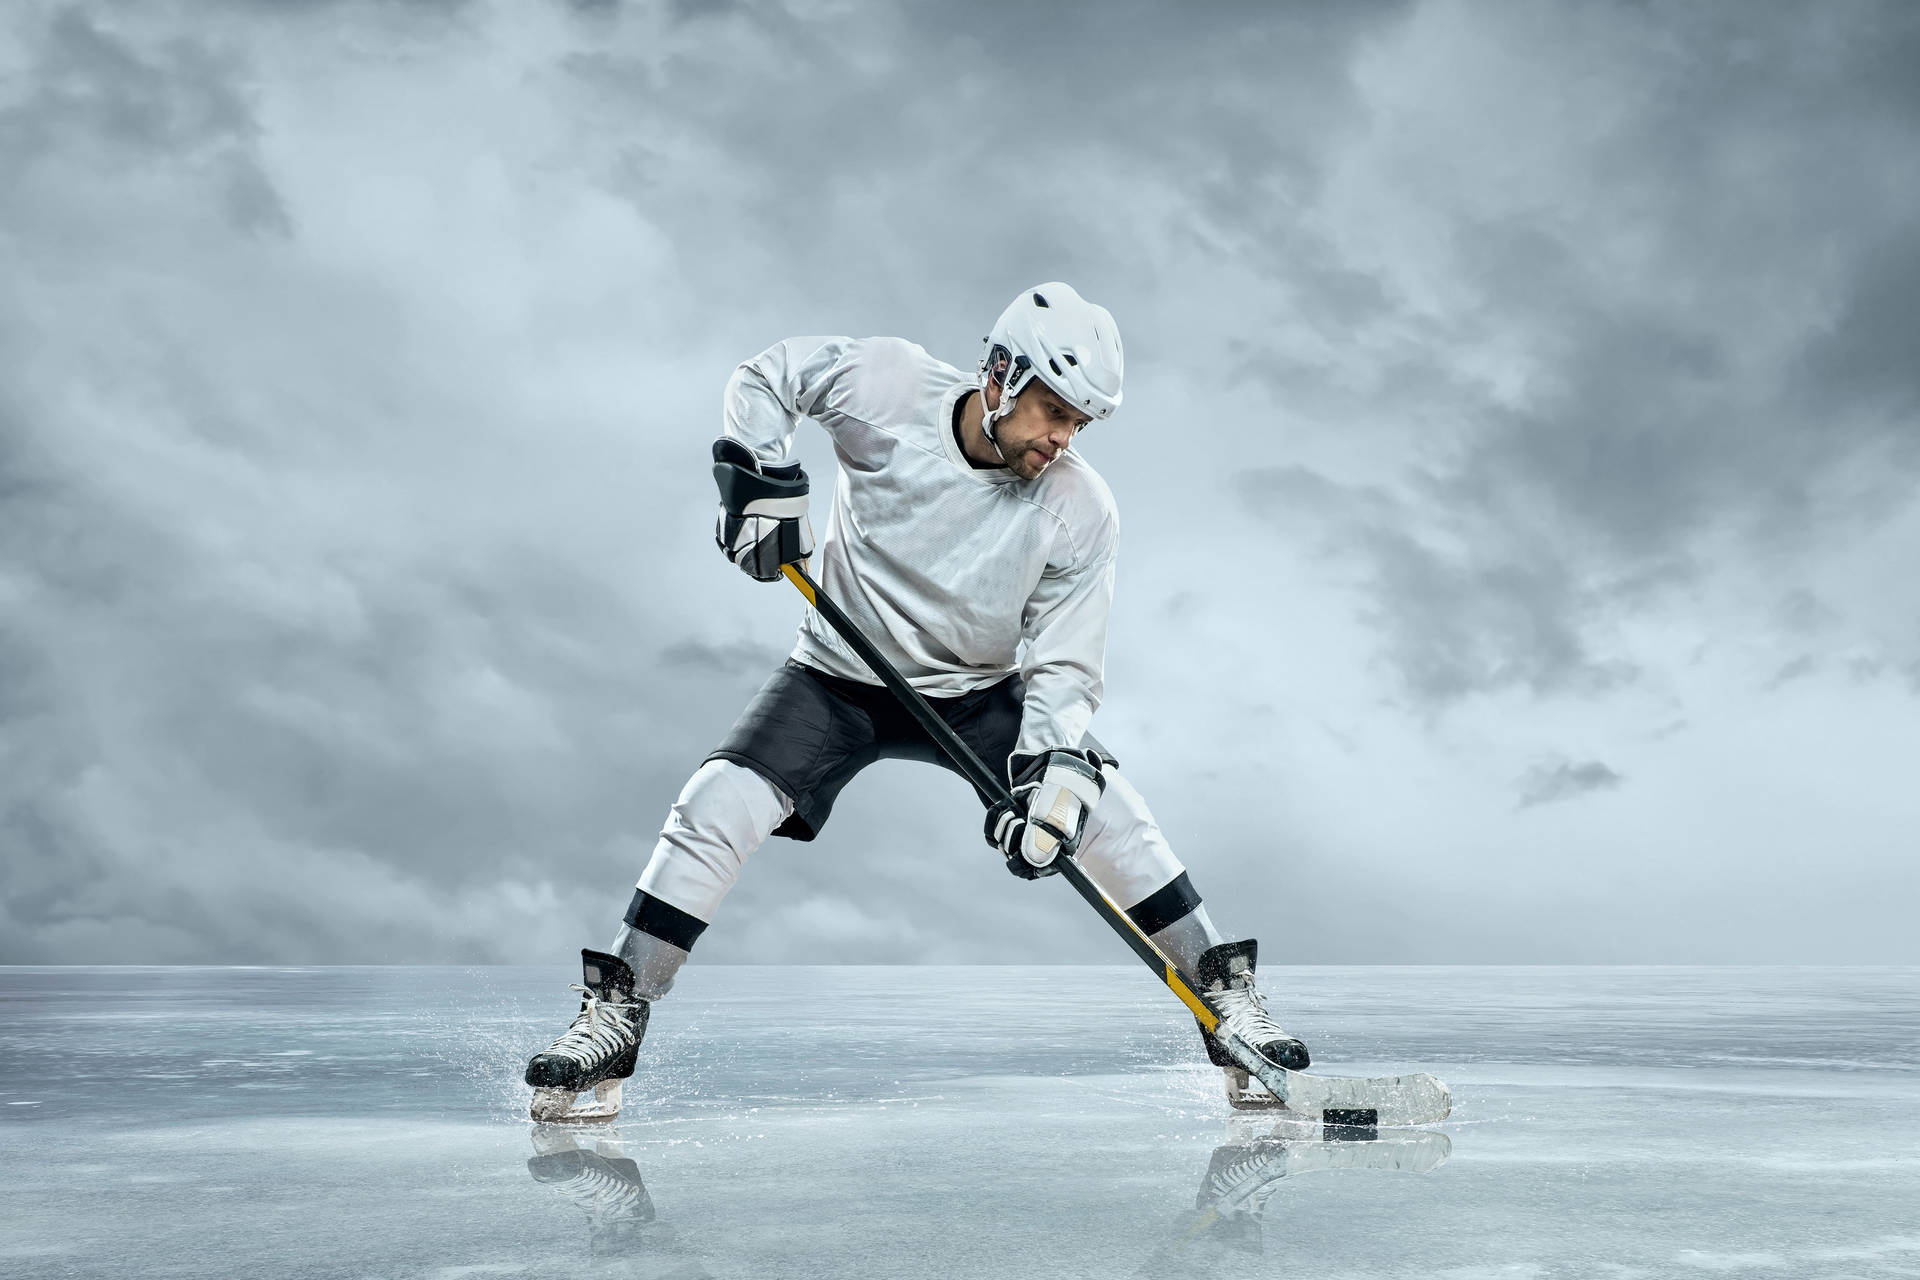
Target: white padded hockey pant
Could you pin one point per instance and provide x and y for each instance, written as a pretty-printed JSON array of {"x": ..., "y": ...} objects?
[{"x": 726, "y": 811}]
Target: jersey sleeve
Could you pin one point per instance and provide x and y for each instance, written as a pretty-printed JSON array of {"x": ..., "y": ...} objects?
[
  {"x": 1065, "y": 628},
  {"x": 768, "y": 395}
]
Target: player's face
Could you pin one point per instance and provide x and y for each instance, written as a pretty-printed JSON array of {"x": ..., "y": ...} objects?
[{"x": 1038, "y": 430}]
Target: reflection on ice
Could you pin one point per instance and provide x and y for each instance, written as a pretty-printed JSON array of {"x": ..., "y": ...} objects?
[
  {"x": 599, "y": 1178},
  {"x": 590, "y": 1166},
  {"x": 590, "y": 1169},
  {"x": 1245, "y": 1172},
  {"x": 1240, "y": 1193}
]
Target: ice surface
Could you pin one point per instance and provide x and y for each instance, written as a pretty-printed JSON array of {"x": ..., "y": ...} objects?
[{"x": 955, "y": 1122}]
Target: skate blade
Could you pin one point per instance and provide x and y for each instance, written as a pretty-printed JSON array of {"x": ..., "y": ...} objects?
[
  {"x": 1245, "y": 1093},
  {"x": 558, "y": 1106}
]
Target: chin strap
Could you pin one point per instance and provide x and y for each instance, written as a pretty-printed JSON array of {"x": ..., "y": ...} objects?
[
  {"x": 988, "y": 417},
  {"x": 1007, "y": 369},
  {"x": 986, "y": 428}
]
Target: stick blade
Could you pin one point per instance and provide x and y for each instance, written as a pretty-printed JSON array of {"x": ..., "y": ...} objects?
[{"x": 1344, "y": 1101}]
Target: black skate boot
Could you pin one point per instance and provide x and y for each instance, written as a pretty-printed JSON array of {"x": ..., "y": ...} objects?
[
  {"x": 1226, "y": 978},
  {"x": 598, "y": 1050}
]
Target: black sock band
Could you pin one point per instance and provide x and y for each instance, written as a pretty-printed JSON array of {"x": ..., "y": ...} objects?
[
  {"x": 663, "y": 920},
  {"x": 1168, "y": 903}
]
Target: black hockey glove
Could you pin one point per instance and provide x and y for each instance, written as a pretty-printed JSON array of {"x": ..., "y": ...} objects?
[
  {"x": 763, "y": 511},
  {"x": 1052, "y": 794}
]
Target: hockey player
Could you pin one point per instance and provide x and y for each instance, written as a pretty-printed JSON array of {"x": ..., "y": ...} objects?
[{"x": 976, "y": 548}]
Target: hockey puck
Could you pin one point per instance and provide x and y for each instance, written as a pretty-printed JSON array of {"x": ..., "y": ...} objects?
[{"x": 1351, "y": 1124}]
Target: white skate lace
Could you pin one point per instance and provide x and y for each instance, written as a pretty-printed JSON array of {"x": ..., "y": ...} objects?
[
  {"x": 1245, "y": 1014},
  {"x": 601, "y": 1029}
]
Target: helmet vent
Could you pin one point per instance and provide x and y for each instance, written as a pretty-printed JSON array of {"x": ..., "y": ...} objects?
[
  {"x": 1068, "y": 356},
  {"x": 1055, "y": 366},
  {"x": 1039, "y": 300}
]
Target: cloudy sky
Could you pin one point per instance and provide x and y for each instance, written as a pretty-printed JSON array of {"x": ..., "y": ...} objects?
[{"x": 1517, "y": 470}]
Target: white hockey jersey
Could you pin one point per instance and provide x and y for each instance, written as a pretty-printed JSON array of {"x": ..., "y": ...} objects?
[{"x": 949, "y": 569}]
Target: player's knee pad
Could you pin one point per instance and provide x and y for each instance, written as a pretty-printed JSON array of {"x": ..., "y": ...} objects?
[
  {"x": 731, "y": 802},
  {"x": 722, "y": 815},
  {"x": 1123, "y": 848}
]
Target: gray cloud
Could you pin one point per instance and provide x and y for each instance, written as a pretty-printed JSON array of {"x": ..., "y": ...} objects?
[
  {"x": 1563, "y": 780},
  {"x": 1682, "y": 367},
  {"x": 96, "y": 100},
  {"x": 1502, "y": 614},
  {"x": 1799, "y": 668}
]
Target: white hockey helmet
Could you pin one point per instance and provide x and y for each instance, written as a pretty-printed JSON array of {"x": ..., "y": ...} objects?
[{"x": 1052, "y": 333}]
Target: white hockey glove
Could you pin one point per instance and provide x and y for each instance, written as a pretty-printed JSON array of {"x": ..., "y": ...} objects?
[
  {"x": 763, "y": 511},
  {"x": 1052, "y": 792}
]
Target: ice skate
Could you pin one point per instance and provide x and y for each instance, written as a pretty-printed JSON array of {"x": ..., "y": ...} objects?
[
  {"x": 597, "y": 1052},
  {"x": 1226, "y": 977}
]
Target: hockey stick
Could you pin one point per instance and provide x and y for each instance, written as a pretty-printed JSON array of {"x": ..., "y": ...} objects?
[{"x": 1416, "y": 1099}]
